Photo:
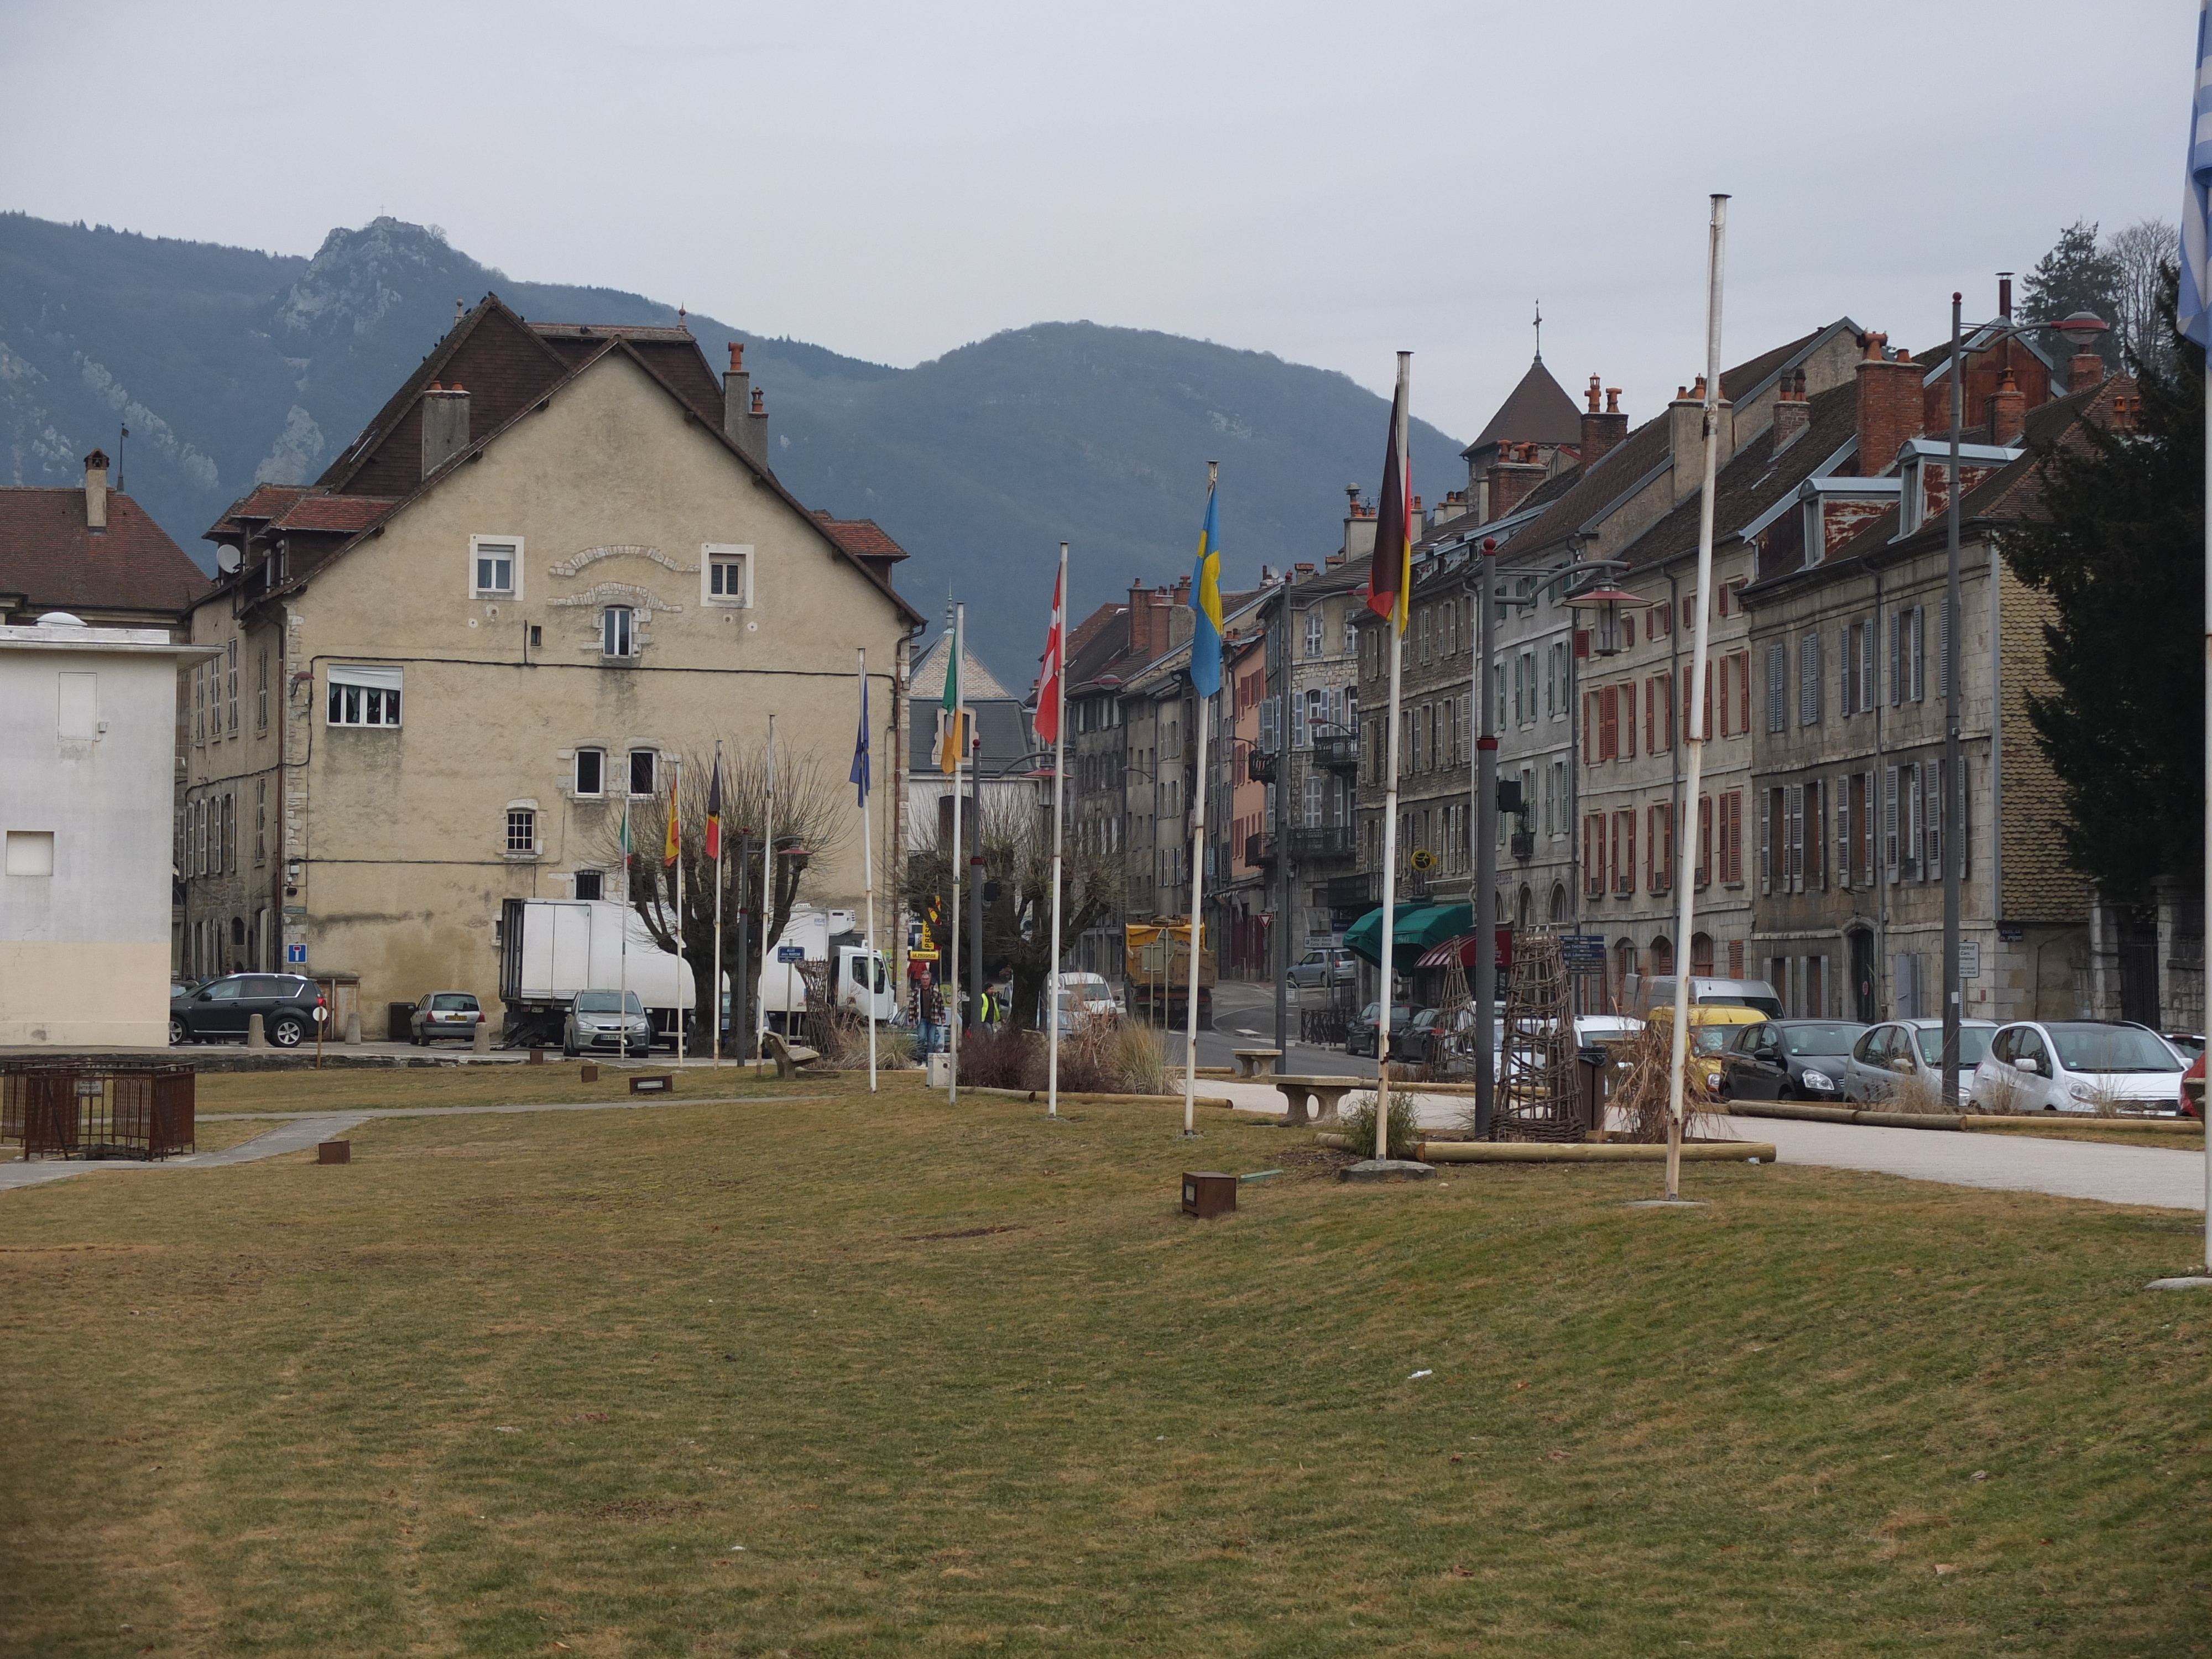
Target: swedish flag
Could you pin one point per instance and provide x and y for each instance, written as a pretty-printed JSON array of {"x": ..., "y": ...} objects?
[{"x": 1206, "y": 603}]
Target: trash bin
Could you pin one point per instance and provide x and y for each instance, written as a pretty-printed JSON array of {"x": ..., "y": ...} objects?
[{"x": 399, "y": 1022}]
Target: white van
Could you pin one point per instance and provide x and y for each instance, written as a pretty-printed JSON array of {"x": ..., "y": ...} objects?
[{"x": 1658, "y": 991}]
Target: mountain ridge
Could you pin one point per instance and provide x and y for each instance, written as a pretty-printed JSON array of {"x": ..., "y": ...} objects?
[{"x": 231, "y": 366}]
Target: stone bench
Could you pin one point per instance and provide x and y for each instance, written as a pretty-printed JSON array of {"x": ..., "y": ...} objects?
[
  {"x": 1255, "y": 1062},
  {"x": 789, "y": 1056},
  {"x": 1300, "y": 1092}
]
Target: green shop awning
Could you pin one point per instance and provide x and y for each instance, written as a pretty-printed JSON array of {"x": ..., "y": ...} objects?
[{"x": 1418, "y": 928}]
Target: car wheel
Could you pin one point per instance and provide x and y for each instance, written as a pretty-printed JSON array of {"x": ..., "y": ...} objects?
[
  {"x": 288, "y": 1032},
  {"x": 1785, "y": 1092},
  {"x": 568, "y": 1050},
  {"x": 179, "y": 1033}
]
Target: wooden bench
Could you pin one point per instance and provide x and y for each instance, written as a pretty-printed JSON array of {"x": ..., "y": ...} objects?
[
  {"x": 1297, "y": 1092},
  {"x": 1255, "y": 1062},
  {"x": 652, "y": 1082},
  {"x": 789, "y": 1056}
]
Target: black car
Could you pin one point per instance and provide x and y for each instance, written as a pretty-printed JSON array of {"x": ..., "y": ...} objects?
[
  {"x": 1359, "y": 1029},
  {"x": 220, "y": 1010},
  {"x": 1789, "y": 1060}
]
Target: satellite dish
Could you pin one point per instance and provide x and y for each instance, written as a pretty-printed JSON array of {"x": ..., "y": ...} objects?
[{"x": 226, "y": 558}]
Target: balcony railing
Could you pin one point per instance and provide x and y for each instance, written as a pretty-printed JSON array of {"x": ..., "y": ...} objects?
[
  {"x": 1259, "y": 852},
  {"x": 1259, "y": 766},
  {"x": 1329, "y": 841},
  {"x": 1524, "y": 844},
  {"x": 1336, "y": 751}
]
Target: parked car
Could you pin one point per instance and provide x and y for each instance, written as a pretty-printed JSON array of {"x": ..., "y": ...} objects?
[
  {"x": 444, "y": 1014},
  {"x": 2191, "y": 1100},
  {"x": 1789, "y": 1060},
  {"x": 1085, "y": 997},
  {"x": 598, "y": 1019},
  {"x": 1713, "y": 1027},
  {"x": 2078, "y": 1066},
  {"x": 2189, "y": 1045},
  {"x": 1317, "y": 970},
  {"x": 1658, "y": 991},
  {"x": 1422, "y": 1042},
  {"x": 1901, "y": 1049},
  {"x": 221, "y": 1010},
  {"x": 1359, "y": 1030}
]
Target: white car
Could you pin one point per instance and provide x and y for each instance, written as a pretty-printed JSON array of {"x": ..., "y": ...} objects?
[
  {"x": 1085, "y": 997},
  {"x": 1901, "y": 1049},
  {"x": 2078, "y": 1066}
]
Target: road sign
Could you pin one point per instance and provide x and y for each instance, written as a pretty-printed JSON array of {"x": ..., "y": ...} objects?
[
  {"x": 297, "y": 954},
  {"x": 1584, "y": 953},
  {"x": 321, "y": 1013},
  {"x": 1970, "y": 958},
  {"x": 791, "y": 953}
]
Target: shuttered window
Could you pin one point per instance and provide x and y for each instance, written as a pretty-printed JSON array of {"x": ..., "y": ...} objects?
[
  {"x": 1720, "y": 672},
  {"x": 1914, "y": 821},
  {"x": 1608, "y": 724},
  {"x": 1943, "y": 649},
  {"x": 1917, "y": 648},
  {"x": 1594, "y": 855},
  {"x": 1628, "y": 721},
  {"x": 1796, "y": 811},
  {"x": 1889, "y": 820},
  {"x": 1778, "y": 681},
  {"x": 1703, "y": 875},
  {"x": 1896, "y": 658},
  {"x": 1808, "y": 680},
  {"x": 1624, "y": 853},
  {"x": 1732, "y": 837},
  {"x": 1867, "y": 687},
  {"x": 1847, "y": 660},
  {"x": 1816, "y": 835}
]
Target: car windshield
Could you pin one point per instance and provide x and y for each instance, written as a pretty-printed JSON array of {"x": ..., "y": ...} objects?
[
  {"x": 451, "y": 1000},
  {"x": 2111, "y": 1048},
  {"x": 606, "y": 1002},
  {"x": 1804, "y": 1039},
  {"x": 1973, "y": 1044},
  {"x": 1712, "y": 1039}
]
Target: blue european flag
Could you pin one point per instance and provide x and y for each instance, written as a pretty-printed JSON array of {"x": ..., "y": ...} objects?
[
  {"x": 1205, "y": 602},
  {"x": 2194, "y": 313}
]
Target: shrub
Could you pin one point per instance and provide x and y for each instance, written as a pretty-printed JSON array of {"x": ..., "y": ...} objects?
[
  {"x": 1140, "y": 1066},
  {"x": 1355, "y": 1118},
  {"x": 996, "y": 1060}
]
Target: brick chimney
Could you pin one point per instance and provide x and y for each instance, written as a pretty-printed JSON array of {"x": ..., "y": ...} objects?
[
  {"x": 1182, "y": 590},
  {"x": 1511, "y": 476},
  {"x": 1891, "y": 407},
  {"x": 2008, "y": 412},
  {"x": 445, "y": 425},
  {"x": 1792, "y": 414},
  {"x": 2083, "y": 370},
  {"x": 745, "y": 412},
  {"x": 1685, "y": 436},
  {"x": 1601, "y": 431},
  {"x": 95, "y": 492}
]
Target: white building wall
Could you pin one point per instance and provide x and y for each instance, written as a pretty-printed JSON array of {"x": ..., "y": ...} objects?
[{"x": 89, "y": 766}]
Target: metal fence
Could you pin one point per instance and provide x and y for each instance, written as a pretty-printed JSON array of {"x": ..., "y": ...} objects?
[{"x": 88, "y": 1112}]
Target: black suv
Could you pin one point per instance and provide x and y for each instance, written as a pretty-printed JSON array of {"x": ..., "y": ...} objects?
[{"x": 220, "y": 1009}]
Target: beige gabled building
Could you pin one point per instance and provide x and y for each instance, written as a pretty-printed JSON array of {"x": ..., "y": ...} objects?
[{"x": 556, "y": 559}]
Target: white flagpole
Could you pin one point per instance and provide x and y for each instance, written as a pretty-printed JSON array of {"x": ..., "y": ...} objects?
[
  {"x": 959, "y": 741},
  {"x": 868, "y": 877},
  {"x": 1390, "y": 786},
  {"x": 767, "y": 908},
  {"x": 1715, "y": 260},
  {"x": 676, "y": 806},
  {"x": 622, "y": 943},
  {"x": 717, "y": 996},
  {"x": 1197, "y": 887},
  {"x": 1059, "y": 751}
]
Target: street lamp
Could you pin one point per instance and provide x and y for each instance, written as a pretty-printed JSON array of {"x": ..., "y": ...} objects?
[
  {"x": 2082, "y": 328},
  {"x": 1605, "y": 626}
]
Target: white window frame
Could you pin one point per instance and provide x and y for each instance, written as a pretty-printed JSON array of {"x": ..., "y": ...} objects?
[
  {"x": 714, "y": 553},
  {"x": 629, "y": 633},
  {"x": 479, "y": 592},
  {"x": 352, "y": 692},
  {"x": 1315, "y": 622},
  {"x": 527, "y": 812},
  {"x": 575, "y": 782}
]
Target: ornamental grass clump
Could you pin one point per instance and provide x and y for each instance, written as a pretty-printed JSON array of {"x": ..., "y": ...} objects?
[{"x": 1355, "y": 1120}]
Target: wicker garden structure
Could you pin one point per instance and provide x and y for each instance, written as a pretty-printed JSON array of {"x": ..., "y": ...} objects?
[{"x": 60, "y": 1109}]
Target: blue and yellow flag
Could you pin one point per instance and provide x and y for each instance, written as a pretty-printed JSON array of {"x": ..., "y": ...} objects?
[{"x": 1205, "y": 602}]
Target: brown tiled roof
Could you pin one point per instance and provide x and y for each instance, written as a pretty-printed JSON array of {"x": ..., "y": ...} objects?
[
  {"x": 862, "y": 538},
  {"x": 256, "y": 507},
  {"x": 346, "y": 514},
  {"x": 48, "y": 555},
  {"x": 1538, "y": 410},
  {"x": 1753, "y": 479}
]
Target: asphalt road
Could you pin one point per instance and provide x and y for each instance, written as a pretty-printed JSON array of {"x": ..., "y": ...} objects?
[{"x": 1244, "y": 1017}]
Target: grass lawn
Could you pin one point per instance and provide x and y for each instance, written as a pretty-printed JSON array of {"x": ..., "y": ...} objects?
[
  {"x": 2117, "y": 1133},
  {"x": 357, "y": 1089},
  {"x": 963, "y": 1380}
]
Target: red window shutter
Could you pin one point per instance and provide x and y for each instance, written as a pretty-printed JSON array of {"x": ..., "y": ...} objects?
[
  {"x": 1582, "y": 645},
  {"x": 1650, "y": 716},
  {"x": 1628, "y": 721},
  {"x": 1608, "y": 724},
  {"x": 1743, "y": 690},
  {"x": 1590, "y": 728},
  {"x": 1732, "y": 837},
  {"x": 1705, "y": 840}
]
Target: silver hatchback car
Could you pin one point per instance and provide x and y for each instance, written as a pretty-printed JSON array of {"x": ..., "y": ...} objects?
[
  {"x": 606, "y": 1019},
  {"x": 1900, "y": 1050}
]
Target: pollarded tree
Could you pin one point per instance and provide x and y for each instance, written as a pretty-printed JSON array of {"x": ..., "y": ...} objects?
[
  {"x": 1015, "y": 842},
  {"x": 813, "y": 808},
  {"x": 2121, "y": 553}
]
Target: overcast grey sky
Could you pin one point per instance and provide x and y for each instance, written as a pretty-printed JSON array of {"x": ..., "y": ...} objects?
[{"x": 1327, "y": 183}]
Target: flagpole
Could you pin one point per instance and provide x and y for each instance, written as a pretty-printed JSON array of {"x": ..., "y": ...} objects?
[
  {"x": 868, "y": 877},
  {"x": 1058, "y": 644},
  {"x": 1398, "y": 614},
  {"x": 717, "y": 997},
  {"x": 1715, "y": 264},
  {"x": 1197, "y": 887},
  {"x": 767, "y": 908},
  {"x": 622, "y": 945},
  {"x": 958, "y": 739},
  {"x": 675, "y": 823}
]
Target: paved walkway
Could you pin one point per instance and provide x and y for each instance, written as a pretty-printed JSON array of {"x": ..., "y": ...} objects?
[
  {"x": 2154, "y": 1175},
  {"x": 301, "y": 1131}
]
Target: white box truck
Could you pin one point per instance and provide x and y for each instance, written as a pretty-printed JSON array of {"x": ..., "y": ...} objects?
[
  {"x": 857, "y": 982},
  {"x": 550, "y": 949}
]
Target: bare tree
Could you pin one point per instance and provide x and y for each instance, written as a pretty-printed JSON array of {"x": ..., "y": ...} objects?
[
  {"x": 1015, "y": 839},
  {"x": 811, "y": 811},
  {"x": 2141, "y": 251}
]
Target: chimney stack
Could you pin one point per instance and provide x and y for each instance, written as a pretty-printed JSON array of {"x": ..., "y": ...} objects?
[
  {"x": 1511, "y": 476},
  {"x": 1890, "y": 409},
  {"x": 2083, "y": 370},
  {"x": 95, "y": 492},
  {"x": 1601, "y": 431},
  {"x": 1792, "y": 414},
  {"x": 745, "y": 412},
  {"x": 445, "y": 425},
  {"x": 2004, "y": 295},
  {"x": 2008, "y": 412},
  {"x": 1685, "y": 436}
]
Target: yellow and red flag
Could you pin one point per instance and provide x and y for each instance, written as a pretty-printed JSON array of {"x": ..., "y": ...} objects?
[{"x": 1390, "y": 577}]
